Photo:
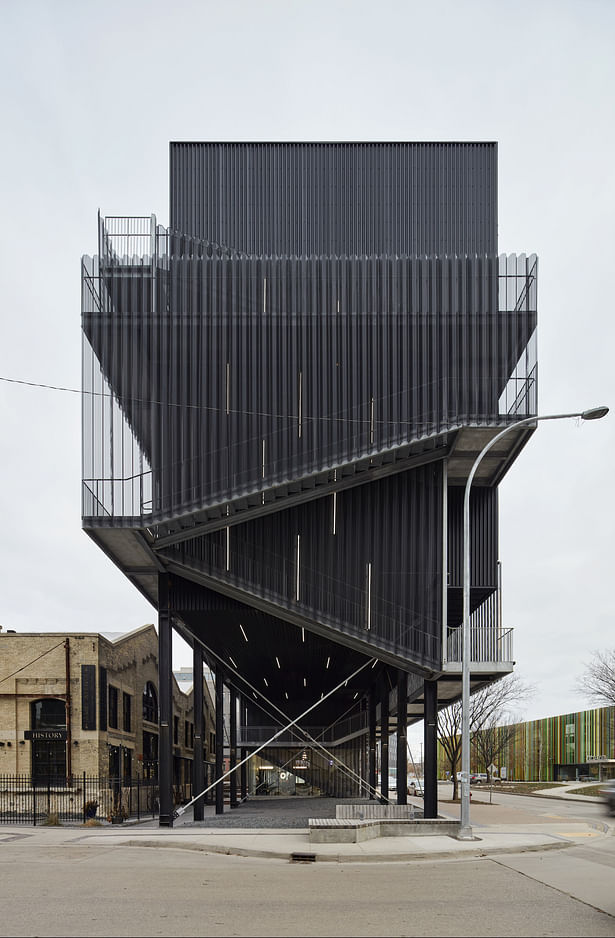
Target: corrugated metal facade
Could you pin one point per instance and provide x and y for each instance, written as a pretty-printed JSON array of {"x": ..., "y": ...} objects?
[
  {"x": 314, "y": 311},
  {"x": 314, "y": 561},
  {"x": 236, "y": 374},
  {"x": 338, "y": 199}
]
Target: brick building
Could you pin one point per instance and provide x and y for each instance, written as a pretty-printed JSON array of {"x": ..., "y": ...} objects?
[{"x": 74, "y": 703}]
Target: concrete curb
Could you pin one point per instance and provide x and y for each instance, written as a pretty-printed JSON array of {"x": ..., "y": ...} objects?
[
  {"x": 581, "y": 799},
  {"x": 479, "y": 849}
]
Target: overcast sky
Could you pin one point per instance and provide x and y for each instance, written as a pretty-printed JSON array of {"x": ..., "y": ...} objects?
[{"x": 92, "y": 93}]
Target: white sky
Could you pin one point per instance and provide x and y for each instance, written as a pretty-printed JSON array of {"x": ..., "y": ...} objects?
[{"x": 93, "y": 93}]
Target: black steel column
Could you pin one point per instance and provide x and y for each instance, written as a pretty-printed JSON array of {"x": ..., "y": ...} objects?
[
  {"x": 372, "y": 743},
  {"x": 243, "y": 752},
  {"x": 198, "y": 768},
  {"x": 384, "y": 741},
  {"x": 244, "y": 774},
  {"x": 165, "y": 702},
  {"x": 233, "y": 748},
  {"x": 430, "y": 749},
  {"x": 402, "y": 756},
  {"x": 219, "y": 739},
  {"x": 209, "y": 780},
  {"x": 362, "y": 766}
]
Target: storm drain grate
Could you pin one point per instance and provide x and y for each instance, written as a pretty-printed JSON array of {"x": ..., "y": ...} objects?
[{"x": 303, "y": 858}]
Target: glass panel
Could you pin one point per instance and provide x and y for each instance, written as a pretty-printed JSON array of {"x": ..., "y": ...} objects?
[{"x": 49, "y": 714}]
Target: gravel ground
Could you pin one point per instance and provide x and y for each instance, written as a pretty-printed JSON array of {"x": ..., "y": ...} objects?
[{"x": 273, "y": 813}]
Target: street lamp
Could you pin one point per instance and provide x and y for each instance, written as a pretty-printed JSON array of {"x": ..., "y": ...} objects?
[{"x": 465, "y": 829}]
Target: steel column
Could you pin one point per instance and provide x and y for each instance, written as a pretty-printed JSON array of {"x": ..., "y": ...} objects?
[
  {"x": 363, "y": 760},
  {"x": 233, "y": 747},
  {"x": 244, "y": 775},
  {"x": 372, "y": 742},
  {"x": 198, "y": 768},
  {"x": 165, "y": 703},
  {"x": 219, "y": 739},
  {"x": 430, "y": 764},
  {"x": 402, "y": 720},
  {"x": 384, "y": 741}
]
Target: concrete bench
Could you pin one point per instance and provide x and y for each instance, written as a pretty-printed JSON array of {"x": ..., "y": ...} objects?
[
  {"x": 365, "y": 812},
  {"x": 356, "y": 830},
  {"x": 330, "y": 830}
]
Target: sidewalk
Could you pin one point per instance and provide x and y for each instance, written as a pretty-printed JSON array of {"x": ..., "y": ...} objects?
[{"x": 497, "y": 829}]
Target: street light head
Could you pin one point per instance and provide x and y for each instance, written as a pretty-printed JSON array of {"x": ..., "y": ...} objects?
[{"x": 594, "y": 413}]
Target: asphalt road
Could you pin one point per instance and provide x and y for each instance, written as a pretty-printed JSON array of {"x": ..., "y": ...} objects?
[
  {"x": 59, "y": 887},
  {"x": 129, "y": 891}
]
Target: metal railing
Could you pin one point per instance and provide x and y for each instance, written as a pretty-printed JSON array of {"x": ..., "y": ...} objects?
[
  {"x": 27, "y": 800},
  {"x": 488, "y": 645},
  {"x": 121, "y": 238}
]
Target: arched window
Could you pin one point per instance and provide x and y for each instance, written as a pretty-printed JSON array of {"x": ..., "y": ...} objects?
[
  {"x": 48, "y": 725},
  {"x": 150, "y": 703}
]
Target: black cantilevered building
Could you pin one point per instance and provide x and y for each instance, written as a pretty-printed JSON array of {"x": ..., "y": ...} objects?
[{"x": 284, "y": 393}]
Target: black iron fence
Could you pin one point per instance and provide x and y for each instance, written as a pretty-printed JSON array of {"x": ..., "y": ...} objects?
[{"x": 24, "y": 800}]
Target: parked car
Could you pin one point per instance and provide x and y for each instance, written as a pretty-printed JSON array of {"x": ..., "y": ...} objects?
[
  {"x": 608, "y": 793},
  {"x": 478, "y": 778}
]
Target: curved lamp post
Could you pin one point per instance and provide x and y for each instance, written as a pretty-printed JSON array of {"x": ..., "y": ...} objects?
[{"x": 465, "y": 830}]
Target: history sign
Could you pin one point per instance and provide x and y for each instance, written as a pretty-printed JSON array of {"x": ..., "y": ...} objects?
[{"x": 48, "y": 735}]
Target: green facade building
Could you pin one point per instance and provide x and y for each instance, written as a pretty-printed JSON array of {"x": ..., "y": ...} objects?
[{"x": 567, "y": 747}]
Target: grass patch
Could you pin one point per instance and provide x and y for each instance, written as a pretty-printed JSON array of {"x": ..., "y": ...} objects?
[
  {"x": 526, "y": 788},
  {"x": 520, "y": 788},
  {"x": 593, "y": 791},
  {"x": 510, "y": 788}
]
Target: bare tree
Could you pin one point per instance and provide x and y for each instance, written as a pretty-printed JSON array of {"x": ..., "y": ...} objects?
[
  {"x": 488, "y": 706},
  {"x": 491, "y": 741},
  {"x": 449, "y": 734},
  {"x": 597, "y": 683}
]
